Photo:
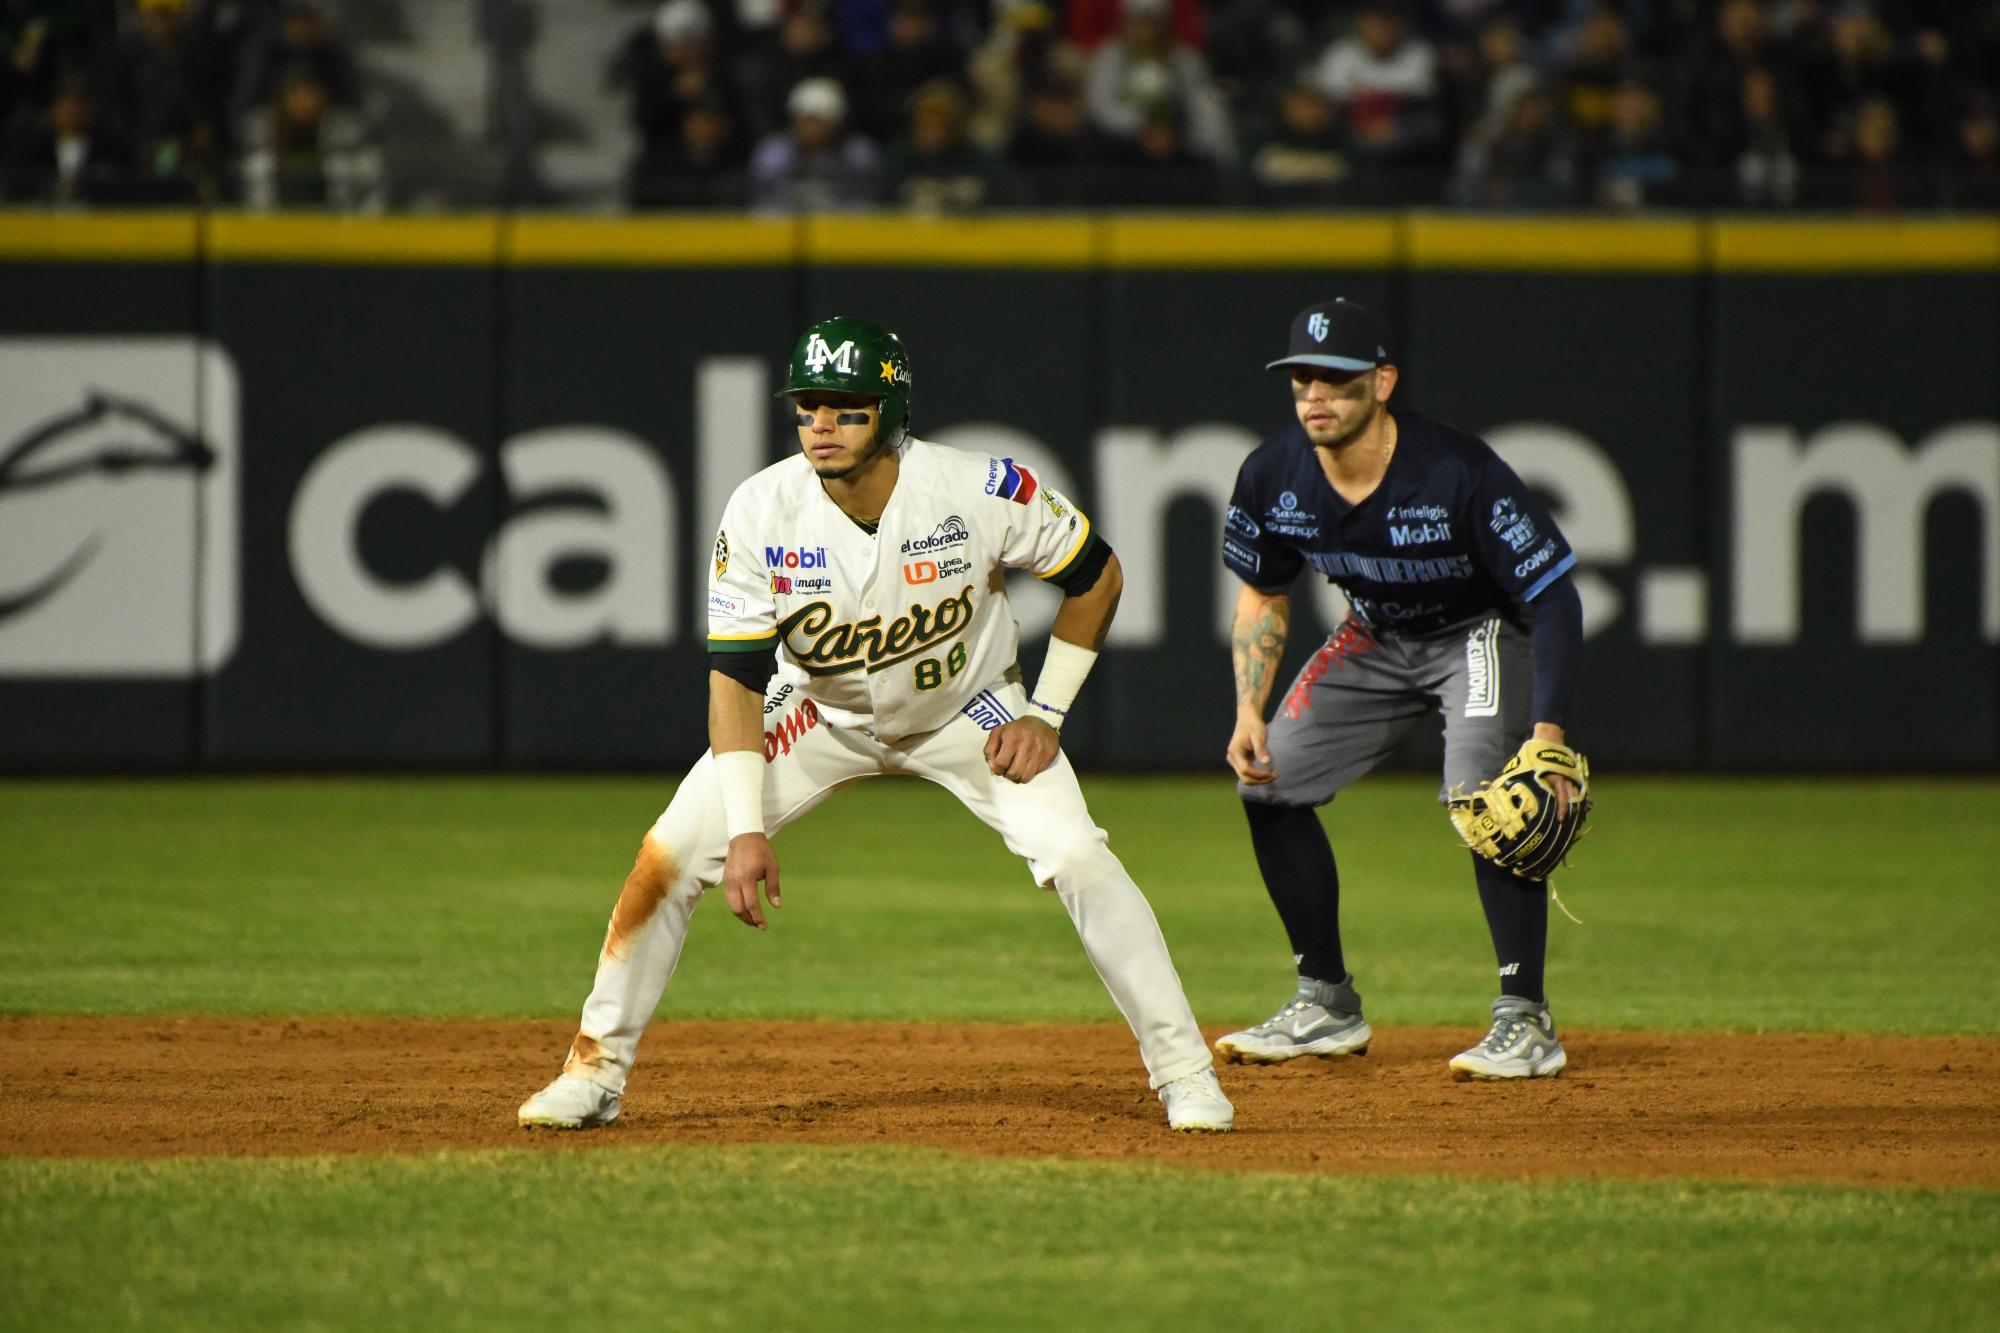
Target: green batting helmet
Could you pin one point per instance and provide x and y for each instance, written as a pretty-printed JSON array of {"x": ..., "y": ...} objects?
[{"x": 846, "y": 355}]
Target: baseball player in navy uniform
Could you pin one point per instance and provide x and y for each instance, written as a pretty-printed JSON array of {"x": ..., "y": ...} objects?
[
  {"x": 1461, "y": 606},
  {"x": 858, "y": 626}
]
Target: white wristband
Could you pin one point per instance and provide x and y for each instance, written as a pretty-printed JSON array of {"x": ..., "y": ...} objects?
[
  {"x": 740, "y": 775},
  {"x": 1063, "y": 673}
]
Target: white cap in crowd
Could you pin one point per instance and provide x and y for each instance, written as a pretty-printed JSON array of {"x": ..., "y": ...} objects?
[
  {"x": 819, "y": 98},
  {"x": 678, "y": 20}
]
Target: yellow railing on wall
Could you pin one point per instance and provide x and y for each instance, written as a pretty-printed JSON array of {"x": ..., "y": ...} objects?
[{"x": 1208, "y": 241}]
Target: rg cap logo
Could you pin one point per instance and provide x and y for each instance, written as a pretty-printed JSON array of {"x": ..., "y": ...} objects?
[
  {"x": 1318, "y": 326},
  {"x": 119, "y": 481}
]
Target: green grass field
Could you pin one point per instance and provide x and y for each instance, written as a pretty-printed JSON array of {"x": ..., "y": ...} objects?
[
  {"x": 783, "y": 1238},
  {"x": 1732, "y": 905}
]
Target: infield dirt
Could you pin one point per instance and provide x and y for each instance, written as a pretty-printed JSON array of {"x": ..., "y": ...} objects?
[{"x": 1862, "y": 1109}]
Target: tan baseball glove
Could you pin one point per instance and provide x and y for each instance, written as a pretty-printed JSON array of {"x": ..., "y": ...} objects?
[{"x": 1512, "y": 820}]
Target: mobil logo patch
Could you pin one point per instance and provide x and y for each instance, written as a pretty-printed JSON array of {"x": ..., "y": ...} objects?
[
  {"x": 786, "y": 557},
  {"x": 119, "y": 498}
]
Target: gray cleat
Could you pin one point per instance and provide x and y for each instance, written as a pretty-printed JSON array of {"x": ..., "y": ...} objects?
[
  {"x": 1322, "y": 1019},
  {"x": 1522, "y": 1044}
]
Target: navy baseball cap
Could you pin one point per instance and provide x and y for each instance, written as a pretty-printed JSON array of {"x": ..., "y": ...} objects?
[{"x": 1336, "y": 335}]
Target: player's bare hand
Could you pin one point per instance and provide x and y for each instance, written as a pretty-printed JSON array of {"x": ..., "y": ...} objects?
[
  {"x": 1564, "y": 789},
  {"x": 751, "y": 862},
  {"x": 1022, "y": 749},
  {"x": 1249, "y": 752}
]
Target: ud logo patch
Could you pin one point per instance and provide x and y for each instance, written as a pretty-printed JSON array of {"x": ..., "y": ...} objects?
[
  {"x": 119, "y": 498},
  {"x": 721, "y": 554}
]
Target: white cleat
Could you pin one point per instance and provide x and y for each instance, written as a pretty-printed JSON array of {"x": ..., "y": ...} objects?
[
  {"x": 571, "y": 1102},
  {"x": 1195, "y": 1104}
]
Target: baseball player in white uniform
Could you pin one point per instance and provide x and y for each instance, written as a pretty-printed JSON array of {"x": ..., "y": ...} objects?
[{"x": 868, "y": 573}]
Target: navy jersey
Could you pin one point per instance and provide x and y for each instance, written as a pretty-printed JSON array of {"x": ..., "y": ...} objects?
[{"x": 1450, "y": 534}]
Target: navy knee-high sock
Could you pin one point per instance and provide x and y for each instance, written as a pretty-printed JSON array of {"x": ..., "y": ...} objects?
[
  {"x": 1517, "y": 915},
  {"x": 1299, "y": 874}
]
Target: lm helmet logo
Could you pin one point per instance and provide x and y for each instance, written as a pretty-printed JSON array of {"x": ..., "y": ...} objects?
[{"x": 819, "y": 355}]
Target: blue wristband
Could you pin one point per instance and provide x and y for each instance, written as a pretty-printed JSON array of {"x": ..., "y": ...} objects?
[{"x": 1059, "y": 715}]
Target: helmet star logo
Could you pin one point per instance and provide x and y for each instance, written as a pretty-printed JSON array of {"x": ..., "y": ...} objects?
[{"x": 888, "y": 373}]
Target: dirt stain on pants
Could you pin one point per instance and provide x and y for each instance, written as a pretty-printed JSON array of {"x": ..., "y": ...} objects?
[{"x": 653, "y": 873}]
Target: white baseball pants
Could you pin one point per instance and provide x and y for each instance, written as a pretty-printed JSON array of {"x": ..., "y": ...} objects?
[{"x": 1044, "y": 821}]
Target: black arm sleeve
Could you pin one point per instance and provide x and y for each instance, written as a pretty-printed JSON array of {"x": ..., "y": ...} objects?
[
  {"x": 1556, "y": 634},
  {"x": 753, "y": 671},
  {"x": 1084, "y": 571}
]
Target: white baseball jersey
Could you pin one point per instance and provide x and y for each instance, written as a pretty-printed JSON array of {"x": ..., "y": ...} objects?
[
  {"x": 902, "y": 641},
  {"x": 895, "y": 631}
]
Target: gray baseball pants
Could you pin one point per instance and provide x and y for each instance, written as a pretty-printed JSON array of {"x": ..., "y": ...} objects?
[{"x": 1359, "y": 695}]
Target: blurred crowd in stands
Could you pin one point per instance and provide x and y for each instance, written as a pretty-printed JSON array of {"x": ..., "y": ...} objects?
[
  {"x": 176, "y": 102},
  {"x": 958, "y": 105}
]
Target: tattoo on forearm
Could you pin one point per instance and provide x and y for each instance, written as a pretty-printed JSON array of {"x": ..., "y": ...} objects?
[{"x": 1255, "y": 646}]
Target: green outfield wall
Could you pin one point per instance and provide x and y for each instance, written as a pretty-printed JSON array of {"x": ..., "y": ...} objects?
[{"x": 305, "y": 492}]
